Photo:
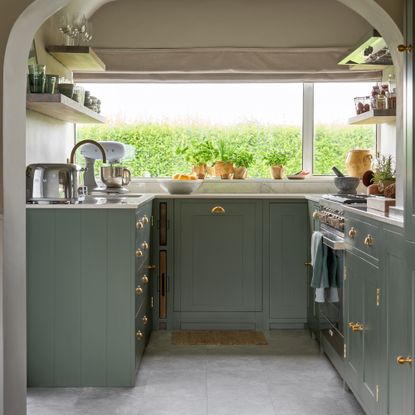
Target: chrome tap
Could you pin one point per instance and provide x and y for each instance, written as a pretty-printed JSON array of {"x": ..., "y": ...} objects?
[{"x": 81, "y": 143}]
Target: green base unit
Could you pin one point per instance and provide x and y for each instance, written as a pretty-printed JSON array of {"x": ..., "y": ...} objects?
[
  {"x": 218, "y": 278},
  {"x": 82, "y": 295},
  {"x": 287, "y": 236}
]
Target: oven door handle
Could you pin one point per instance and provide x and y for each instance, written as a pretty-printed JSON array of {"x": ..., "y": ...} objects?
[{"x": 336, "y": 244}]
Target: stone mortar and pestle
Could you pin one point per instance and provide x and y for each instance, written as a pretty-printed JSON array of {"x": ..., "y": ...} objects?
[{"x": 345, "y": 184}]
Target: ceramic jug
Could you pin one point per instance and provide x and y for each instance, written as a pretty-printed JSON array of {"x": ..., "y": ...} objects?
[{"x": 358, "y": 161}]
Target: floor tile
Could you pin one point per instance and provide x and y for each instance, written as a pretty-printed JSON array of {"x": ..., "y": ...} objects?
[{"x": 289, "y": 376}]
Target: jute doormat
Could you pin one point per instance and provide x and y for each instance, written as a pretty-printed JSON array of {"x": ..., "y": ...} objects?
[{"x": 218, "y": 337}]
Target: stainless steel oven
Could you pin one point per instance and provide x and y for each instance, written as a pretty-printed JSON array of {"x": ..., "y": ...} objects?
[{"x": 331, "y": 217}]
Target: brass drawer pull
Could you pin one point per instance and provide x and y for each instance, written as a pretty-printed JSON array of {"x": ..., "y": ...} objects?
[
  {"x": 308, "y": 264},
  {"x": 218, "y": 209},
  {"x": 151, "y": 267},
  {"x": 402, "y": 360},
  {"x": 368, "y": 240},
  {"x": 145, "y": 320},
  {"x": 145, "y": 245},
  {"x": 145, "y": 279},
  {"x": 356, "y": 327},
  {"x": 138, "y": 290},
  {"x": 352, "y": 232},
  {"x": 139, "y": 335},
  {"x": 405, "y": 48},
  {"x": 145, "y": 219},
  {"x": 139, "y": 225},
  {"x": 139, "y": 253}
]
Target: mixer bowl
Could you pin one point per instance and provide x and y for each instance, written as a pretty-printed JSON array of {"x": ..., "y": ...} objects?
[{"x": 115, "y": 176}]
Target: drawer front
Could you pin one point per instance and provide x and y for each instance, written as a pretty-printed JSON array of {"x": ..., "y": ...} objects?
[
  {"x": 143, "y": 231},
  {"x": 142, "y": 324},
  {"x": 142, "y": 282},
  {"x": 362, "y": 236}
]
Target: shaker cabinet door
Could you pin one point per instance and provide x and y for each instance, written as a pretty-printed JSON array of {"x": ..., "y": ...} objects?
[
  {"x": 363, "y": 330},
  {"x": 288, "y": 253},
  {"x": 217, "y": 256}
]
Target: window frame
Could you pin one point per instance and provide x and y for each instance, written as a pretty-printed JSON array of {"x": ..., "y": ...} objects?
[{"x": 308, "y": 130}]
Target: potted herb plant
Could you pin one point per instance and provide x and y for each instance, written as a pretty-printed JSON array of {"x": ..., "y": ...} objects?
[
  {"x": 242, "y": 160},
  {"x": 224, "y": 159},
  {"x": 276, "y": 159},
  {"x": 198, "y": 154},
  {"x": 384, "y": 172}
]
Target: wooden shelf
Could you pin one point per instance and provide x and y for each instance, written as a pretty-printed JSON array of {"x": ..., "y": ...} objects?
[
  {"x": 77, "y": 58},
  {"x": 374, "y": 117},
  {"x": 62, "y": 108}
]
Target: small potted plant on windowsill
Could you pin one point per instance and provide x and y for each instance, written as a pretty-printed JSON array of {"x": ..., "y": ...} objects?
[
  {"x": 224, "y": 160},
  {"x": 276, "y": 159},
  {"x": 199, "y": 154},
  {"x": 242, "y": 160},
  {"x": 384, "y": 173}
]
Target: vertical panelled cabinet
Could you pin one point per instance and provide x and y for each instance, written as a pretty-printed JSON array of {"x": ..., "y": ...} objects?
[
  {"x": 377, "y": 316},
  {"x": 88, "y": 291},
  {"x": 240, "y": 264}
]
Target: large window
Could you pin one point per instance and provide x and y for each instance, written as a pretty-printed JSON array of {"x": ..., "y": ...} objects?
[
  {"x": 333, "y": 137},
  {"x": 157, "y": 119}
]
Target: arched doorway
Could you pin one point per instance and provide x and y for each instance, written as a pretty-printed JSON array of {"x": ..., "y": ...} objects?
[{"x": 14, "y": 150}]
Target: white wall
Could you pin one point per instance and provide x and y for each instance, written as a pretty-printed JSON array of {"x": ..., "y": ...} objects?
[{"x": 222, "y": 23}]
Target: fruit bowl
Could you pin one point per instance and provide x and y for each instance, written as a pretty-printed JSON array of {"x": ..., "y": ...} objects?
[{"x": 180, "y": 187}]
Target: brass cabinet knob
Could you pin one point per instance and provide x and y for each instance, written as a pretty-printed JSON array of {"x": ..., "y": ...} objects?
[
  {"x": 145, "y": 320},
  {"x": 316, "y": 214},
  {"x": 405, "y": 48},
  {"x": 145, "y": 219},
  {"x": 138, "y": 290},
  {"x": 139, "y": 335},
  {"x": 139, "y": 253},
  {"x": 145, "y": 279},
  {"x": 402, "y": 360},
  {"x": 368, "y": 240},
  {"x": 139, "y": 225},
  {"x": 352, "y": 232},
  {"x": 218, "y": 209},
  {"x": 145, "y": 245}
]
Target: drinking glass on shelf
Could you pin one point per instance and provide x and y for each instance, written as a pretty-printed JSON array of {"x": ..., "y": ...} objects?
[{"x": 37, "y": 78}]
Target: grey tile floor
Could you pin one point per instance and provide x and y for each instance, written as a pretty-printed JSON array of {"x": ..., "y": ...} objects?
[{"x": 289, "y": 376}]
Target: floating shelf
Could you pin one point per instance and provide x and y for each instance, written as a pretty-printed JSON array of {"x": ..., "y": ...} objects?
[
  {"x": 62, "y": 108},
  {"x": 374, "y": 117},
  {"x": 77, "y": 58}
]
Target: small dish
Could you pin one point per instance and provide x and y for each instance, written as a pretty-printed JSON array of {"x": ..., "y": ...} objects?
[{"x": 295, "y": 177}]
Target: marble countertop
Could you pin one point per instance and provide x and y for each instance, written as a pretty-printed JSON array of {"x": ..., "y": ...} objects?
[
  {"x": 376, "y": 215},
  {"x": 133, "y": 200}
]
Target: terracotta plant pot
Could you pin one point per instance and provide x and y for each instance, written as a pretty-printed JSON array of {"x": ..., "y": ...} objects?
[
  {"x": 224, "y": 170},
  {"x": 240, "y": 172},
  {"x": 210, "y": 171},
  {"x": 384, "y": 183},
  {"x": 200, "y": 171},
  {"x": 277, "y": 172}
]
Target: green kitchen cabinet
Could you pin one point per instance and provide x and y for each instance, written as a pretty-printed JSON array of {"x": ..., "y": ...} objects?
[
  {"x": 396, "y": 300},
  {"x": 362, "y": 330},
  {"x": 217, "y": 264},
  {"x": 288, "y": 253},
  {"x": 313, "y": 311},
  {"x": 83, "y": 295}
]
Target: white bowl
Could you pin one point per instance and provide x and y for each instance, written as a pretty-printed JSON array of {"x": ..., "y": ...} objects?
[{"x": 180, "y": 187}]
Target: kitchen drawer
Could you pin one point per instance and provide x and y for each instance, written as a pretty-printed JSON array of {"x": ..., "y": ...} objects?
[
  {"x": 141, "y": 288},
  {"x": 142, "y": 331},
  {"x": 362, "y": 236}
]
